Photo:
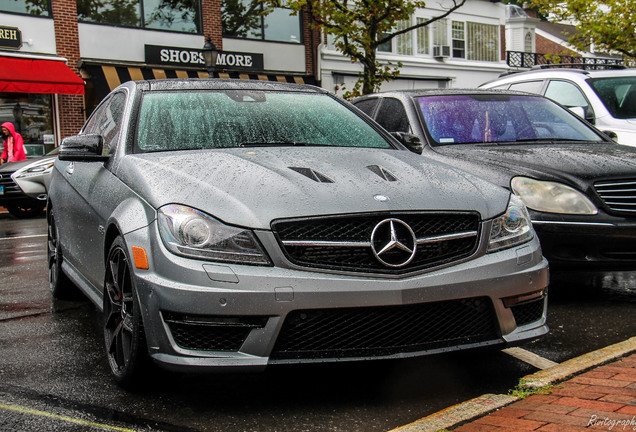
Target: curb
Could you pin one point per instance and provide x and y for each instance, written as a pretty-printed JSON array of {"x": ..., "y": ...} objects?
[{"x": 470, "y": 410}]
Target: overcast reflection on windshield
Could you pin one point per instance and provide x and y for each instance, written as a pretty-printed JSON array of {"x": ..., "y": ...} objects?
[
  {"x": 244, "y": 118},
  {"x": 459, "y": 119}
]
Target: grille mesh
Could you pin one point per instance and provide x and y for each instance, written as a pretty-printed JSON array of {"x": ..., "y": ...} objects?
[
  {"x": 211, "y": 333},
  {"x": 388, "y": 330},
  {"x": 618, "y": 195},
  {"x": 358, "y": 228},
  {"x": 527, "y": 313}
]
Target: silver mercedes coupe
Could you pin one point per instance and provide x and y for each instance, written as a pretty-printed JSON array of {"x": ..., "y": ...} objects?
[{"x": 229, "y": 225}]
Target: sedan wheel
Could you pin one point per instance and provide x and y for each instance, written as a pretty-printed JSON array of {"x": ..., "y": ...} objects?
[
  {"x": 123, "y": 331},
  {"x": 61, "y": 287}
]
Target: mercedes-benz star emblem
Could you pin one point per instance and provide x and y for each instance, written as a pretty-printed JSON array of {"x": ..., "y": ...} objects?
[{"x": 393, "y": 243}]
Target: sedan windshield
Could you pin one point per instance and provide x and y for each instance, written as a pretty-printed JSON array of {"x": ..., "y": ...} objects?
[
  {"x": 487, "y": 118},
  {"x": 618, "y": 95},
  {"x": 248, "y": 118}
]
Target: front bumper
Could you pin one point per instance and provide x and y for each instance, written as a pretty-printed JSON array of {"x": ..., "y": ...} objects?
[
  {"x": 602, "y": 244},
  {"x": 201, "y": 315}
]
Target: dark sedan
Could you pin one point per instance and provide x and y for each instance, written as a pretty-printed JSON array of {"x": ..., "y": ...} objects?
[{"x": 580, "y": 186}]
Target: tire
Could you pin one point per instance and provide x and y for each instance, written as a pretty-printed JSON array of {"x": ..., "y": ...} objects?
[
  {"x": 61, "y": 287},
  {"x": 27, "y": 209},
  {"x": 126, "y": 347}
]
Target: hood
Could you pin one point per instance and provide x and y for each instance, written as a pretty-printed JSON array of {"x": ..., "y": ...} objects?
[
  {"x": 10, "y": 167},
  {"x": 250, "y": 187},
  {"x": 578, "y": 163}
]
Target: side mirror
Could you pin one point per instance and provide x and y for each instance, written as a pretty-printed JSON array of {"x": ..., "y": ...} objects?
[
  {"x": 83, "y": 148},
  {"x": 582, "y": 112},
  {"x": 410, "y": 141}
]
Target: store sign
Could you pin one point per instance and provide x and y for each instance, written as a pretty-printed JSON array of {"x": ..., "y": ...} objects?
[
  {"x": 190, "y": 57},
  {"x": 10, "y": 37}
]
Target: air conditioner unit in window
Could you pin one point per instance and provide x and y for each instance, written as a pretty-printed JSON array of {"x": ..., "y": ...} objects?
[{"x": 441, "y": 51}]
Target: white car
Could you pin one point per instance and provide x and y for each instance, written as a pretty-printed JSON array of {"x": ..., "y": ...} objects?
[
  {"x": 35, "y": 177},
  {"x": 605, "y": 98}
]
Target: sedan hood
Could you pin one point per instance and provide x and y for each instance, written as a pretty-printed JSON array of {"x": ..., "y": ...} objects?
[
  {"x": 575, "y": 162},
  {"x": 250, "y": 187}
]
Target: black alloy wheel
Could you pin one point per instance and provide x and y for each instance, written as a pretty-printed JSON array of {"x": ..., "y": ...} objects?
[
  {"x": 61, "y": 287},
  {"x": 123, "y": 330}
]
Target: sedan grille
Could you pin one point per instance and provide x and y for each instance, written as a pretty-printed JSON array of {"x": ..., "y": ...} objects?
[
  {"x": 7, "y": 184},
  {"x": 379, "y": 243},
  {"x": 385, "y": 330},
  {"x": 618, "y": 195}
]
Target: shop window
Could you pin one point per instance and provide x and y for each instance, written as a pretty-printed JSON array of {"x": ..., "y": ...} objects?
[
  {"x": 31, "y": 114},
  {"x": 28, "y": 7},
  {"x": 174, "y": 15},
  {"x": 248, "y": 19}
]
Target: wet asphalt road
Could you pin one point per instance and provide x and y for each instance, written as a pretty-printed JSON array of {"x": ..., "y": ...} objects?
[{"x": 54, "y": 376}]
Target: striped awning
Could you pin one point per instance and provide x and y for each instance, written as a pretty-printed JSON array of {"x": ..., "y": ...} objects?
[{"x": 106, "y": 78}]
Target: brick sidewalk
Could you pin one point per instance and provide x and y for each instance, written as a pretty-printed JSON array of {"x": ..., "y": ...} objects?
[{"x": 601, "y": 399}]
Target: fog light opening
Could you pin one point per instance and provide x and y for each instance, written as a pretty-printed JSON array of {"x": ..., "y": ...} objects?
[{"x": 524, "y": 298}]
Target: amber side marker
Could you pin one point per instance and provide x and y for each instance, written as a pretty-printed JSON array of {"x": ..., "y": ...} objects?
[{"x": 140, "y": 257}]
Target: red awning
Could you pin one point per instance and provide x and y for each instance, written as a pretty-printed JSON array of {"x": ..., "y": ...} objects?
[{"x": 21, "y": 75}]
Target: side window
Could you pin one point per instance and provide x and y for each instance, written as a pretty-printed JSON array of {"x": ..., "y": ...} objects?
[
  {"x": 367, "y": 106},
  {"x": 567, "y": 94},
  {"x": 106, "y": 121},
  {"x": 392, "y": 116},
  {"x": 111, "y": 123},
  {"x": 528, "y": 86}
]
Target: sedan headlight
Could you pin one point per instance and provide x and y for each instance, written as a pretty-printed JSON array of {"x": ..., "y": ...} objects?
[
  {"x": 37, "y": 170},
  {"x": 552, "y": 197},
  {"x": 512, "y": 228},
  {"x": 189, "y": 232}
]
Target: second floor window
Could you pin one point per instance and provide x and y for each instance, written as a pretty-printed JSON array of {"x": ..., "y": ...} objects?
[
  {"x": 175, "y": 15},
  {"x": 247, "y": 19},
  {"x": 28, "y": 7}
]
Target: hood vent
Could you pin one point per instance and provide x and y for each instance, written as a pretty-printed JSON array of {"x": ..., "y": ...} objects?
[
  {"x": 312, "y": 174},
  {"x": 386, "y": 175}
]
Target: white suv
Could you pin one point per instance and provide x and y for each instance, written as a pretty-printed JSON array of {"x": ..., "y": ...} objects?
[{"x": 605, "y": 98}]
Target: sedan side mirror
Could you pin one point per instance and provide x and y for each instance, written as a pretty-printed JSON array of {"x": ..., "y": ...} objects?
[
  {"x": 83, "y": 148},
  {"x": 410, "y": 141}
]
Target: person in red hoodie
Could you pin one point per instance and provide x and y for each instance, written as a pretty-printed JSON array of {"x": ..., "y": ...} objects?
[{"x": 12, "y": 144}]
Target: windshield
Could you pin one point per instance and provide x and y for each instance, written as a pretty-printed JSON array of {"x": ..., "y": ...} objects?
[
  {"x": 617, "y": 94},
  {"x": 460, "y": 119},
  {"x": 247, "y": 118}
]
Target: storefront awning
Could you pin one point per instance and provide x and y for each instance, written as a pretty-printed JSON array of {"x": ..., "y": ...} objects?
[
  {"x": 23, "y": 75},
  {"x": 106, "y": 78}
]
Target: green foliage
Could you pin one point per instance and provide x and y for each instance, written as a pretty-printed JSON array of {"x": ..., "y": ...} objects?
[
  {"x": 609, "y": 24},
  {"x": 522, "y": 390},
  {"x": 359, "y": 27}
]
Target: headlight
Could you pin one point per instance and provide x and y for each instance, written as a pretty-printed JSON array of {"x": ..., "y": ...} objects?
[
  {"x": 512, "y": 228},
  {"x": 552, "y": 197},
  {"x": 188, "y": 232},
  {"x": 36, "y": 170}
]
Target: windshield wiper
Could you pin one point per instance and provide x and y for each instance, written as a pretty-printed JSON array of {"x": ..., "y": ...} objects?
[
  {"x": 535, "y": 140},
  {"x": 281, "y": 144}
]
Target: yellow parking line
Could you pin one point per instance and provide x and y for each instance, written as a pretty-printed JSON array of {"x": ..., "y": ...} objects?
[{"x": 39, "y": 413}]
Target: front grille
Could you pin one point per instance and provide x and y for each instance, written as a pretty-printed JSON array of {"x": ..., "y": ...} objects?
[
  {"x": 8, "y": 185},
  {"x": 619, "y": 195},
  {"x": 211, "y": 333},
  {"x": 528, "y": 312},
  {"x": 344, "y": 242},
  {"x": 386, "y": 330}
]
